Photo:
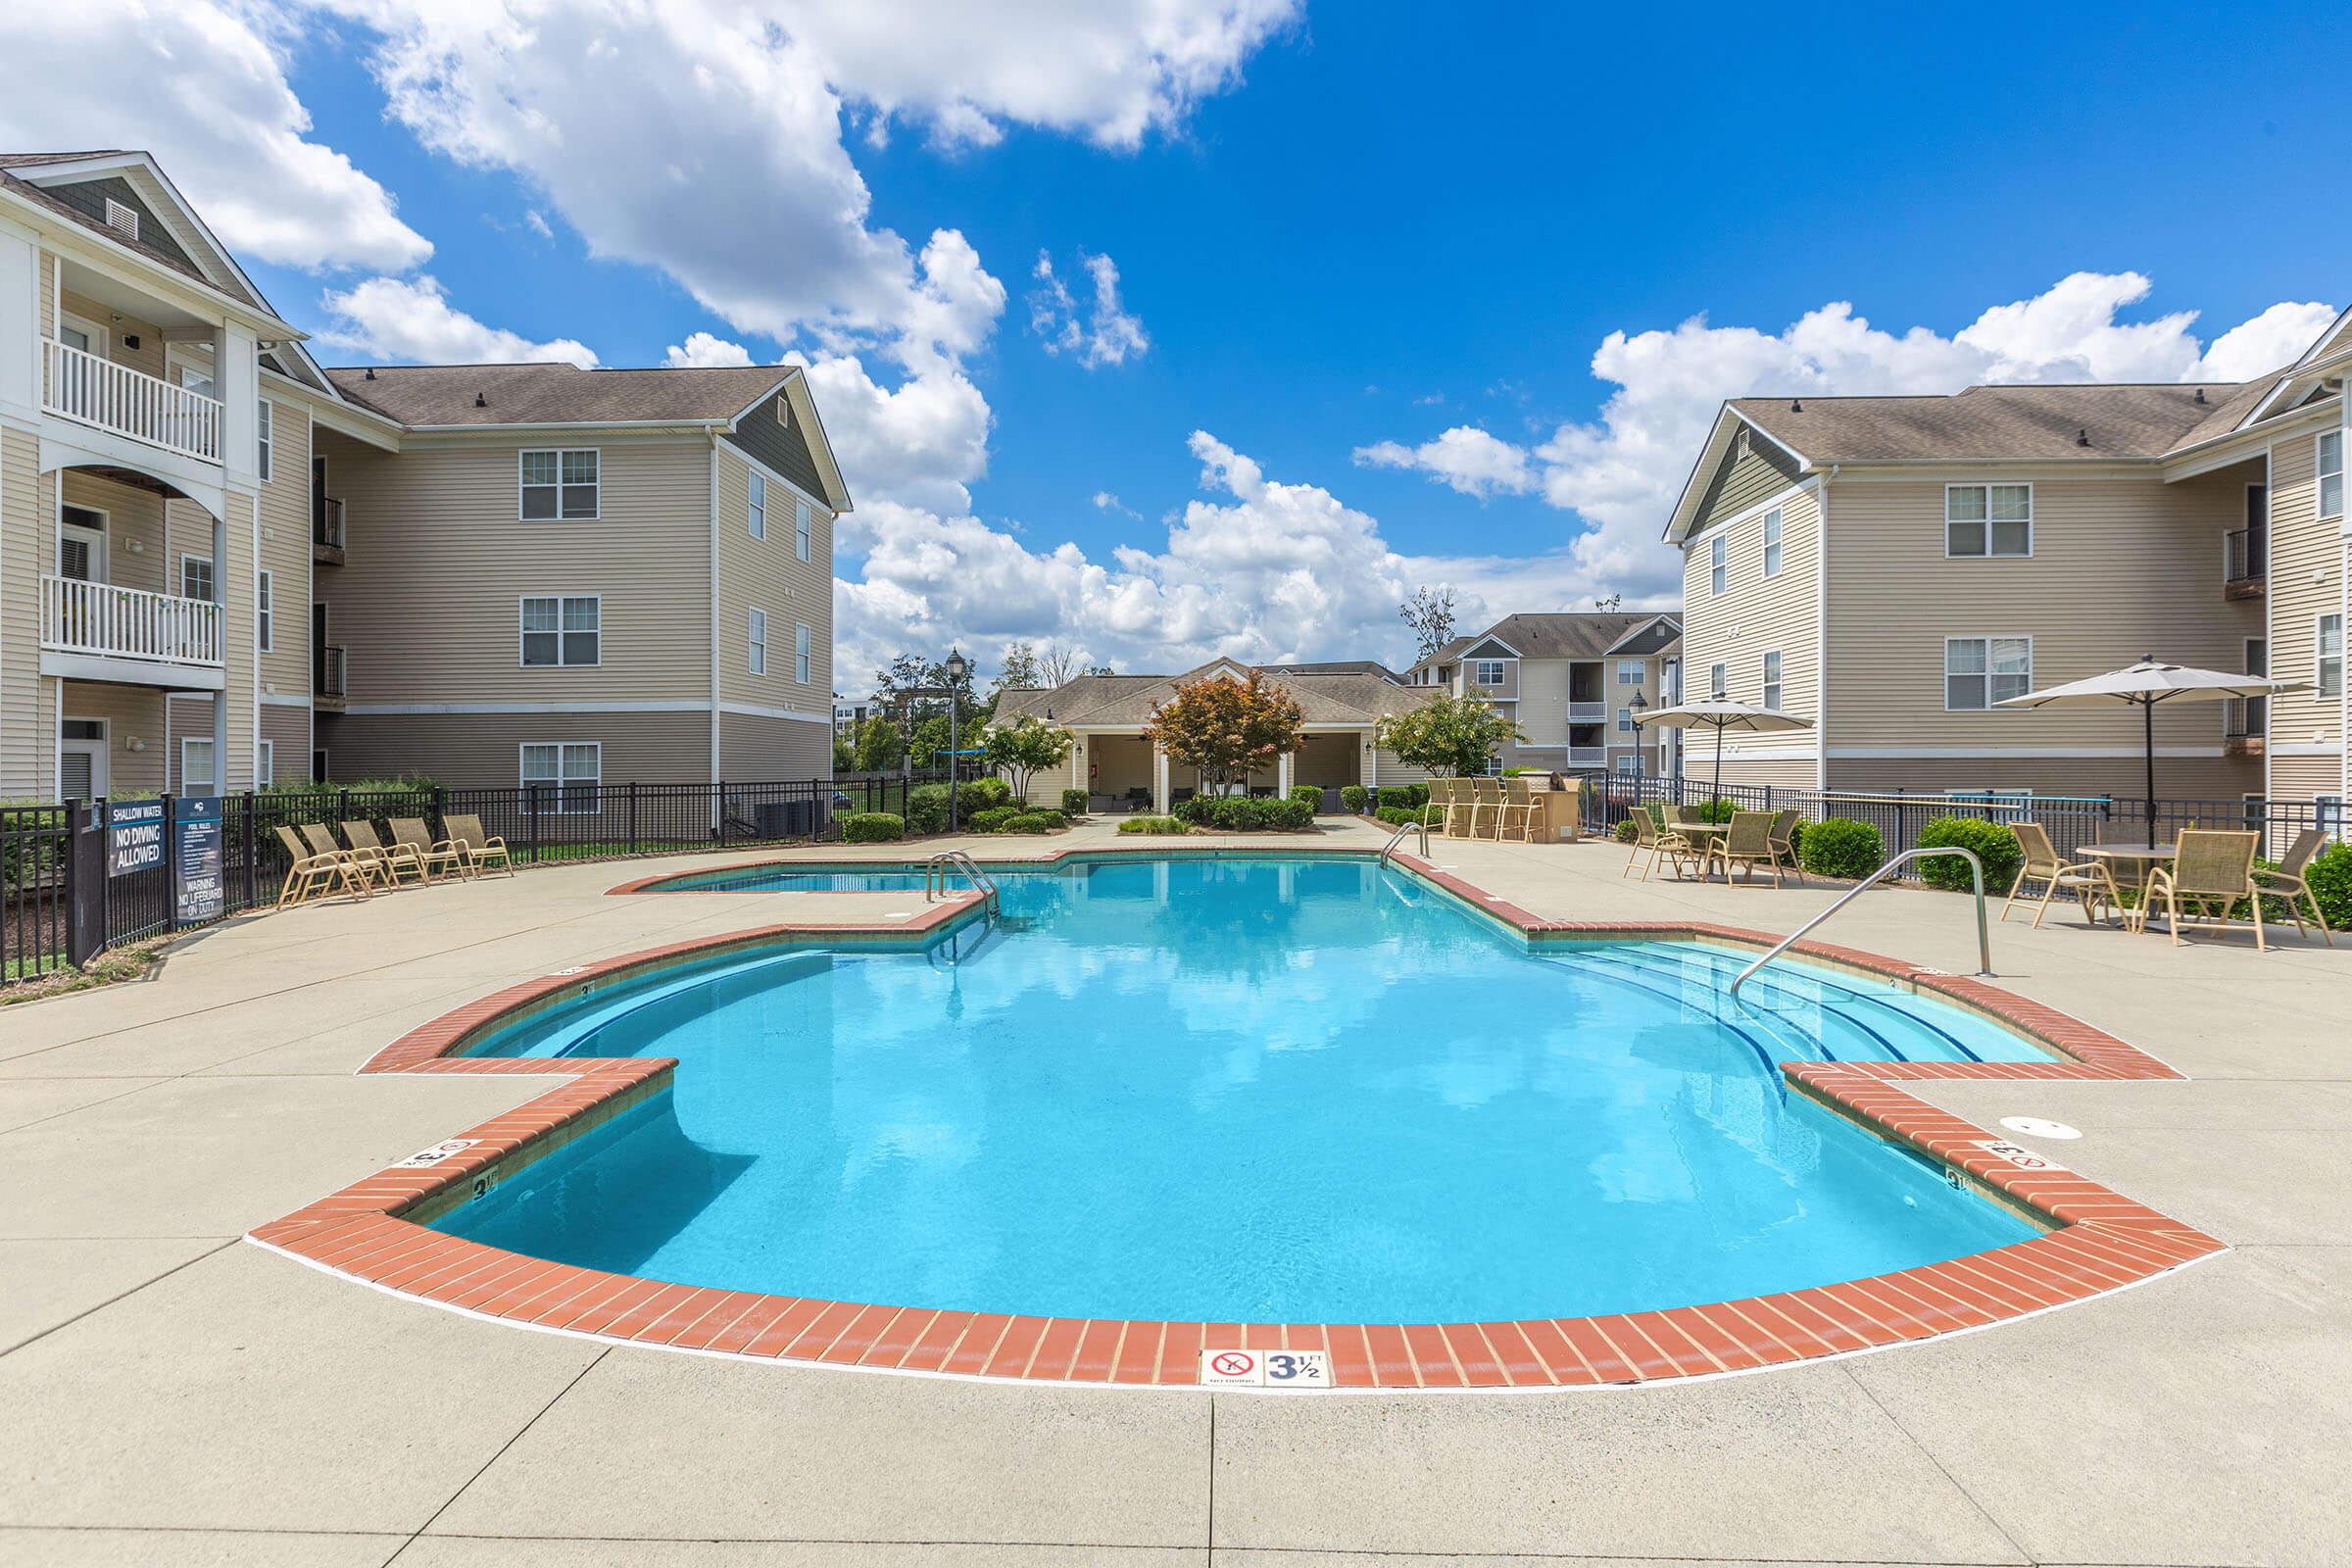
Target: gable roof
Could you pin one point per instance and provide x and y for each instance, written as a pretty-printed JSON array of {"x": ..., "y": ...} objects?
[
  {"x": 38, "y": 177},
  {"x": 443, "y": 396},
  {"x": 1554, "y": 634},
  {"x": 1121, "y": 701},
  {"x": 2015, "y": 423}
]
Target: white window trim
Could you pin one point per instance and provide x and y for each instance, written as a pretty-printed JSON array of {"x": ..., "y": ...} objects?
[
  {"x": 178, "y": 358},
  {"x": 1772, "y": 566},
  {"x": 181, "y": 591},
  {"x": 98, "y": 539},
  {"x": 1719, "y": 681},
  {"x": 1987, "y": 638},
  {"x": 2319, "y": 685},
  {"x": 102, "y": 341},
  {"x": 561, "y": 452},
  {"x": 265, "y": 763},
  {"x": 1765, "y": 682},
  {"x": 804, "y": 527},
  {"x": 265, "y": 610},
  {"x": 2318, "y": 476},
  {"x": 756, "y": 628},
  {"x": 213, "y": 787},
  {"x": 1719, "y": 566},
  {"x": 523, "y": 779},
  {"x": 1986, "y": 485},
  {"x": 99, "y": 786},
  {"x": 804, "y": 651},
  {"x": 265, "y": 438},
  {"x": 560, "y": 662},
  {"x": 1478, "y": 668},
  {"x": 755, "y": 500}
]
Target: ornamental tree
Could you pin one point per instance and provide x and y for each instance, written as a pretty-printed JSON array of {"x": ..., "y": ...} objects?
[
  {"x": 1226, "y": 728},
  {"x": 1448, "y": 736},
  {"x": 1021, "y": 746}
]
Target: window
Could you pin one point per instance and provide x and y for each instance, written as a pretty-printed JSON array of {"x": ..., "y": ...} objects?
[
  {"x": 318, "y": 767},
  {"x": 800, "y": 654},
  {"x": 2328, "y": 670},
  {"x": 1980, "y": 671},
  {"x": 758, "y": 642},
  {"x": 265, "y": 612},
  {"x": 562, "y": 631},
  {"x": 261, "y": 439},
  {"x": 1772, "y": 680},
  {"x": 1716, "y": 574},
  {"x": 799, "y": 527},
  {"x": 569, "y": 770},
  {"x": 1624, "y": 721},
  {"x": 2254, "y": 811},
  {"x": 1629, "y": 671},
  {"x": 1628, "y": 761},
  {"x": 124, "y": 221},
  {"x": 196, "y": 578},
  {"x": 1988, "y": 519},
  {"x": 195, "y": 376},
  {"x": 2327, "y": 814},
  {"x": 1489, "y": 673},
  {"x": 264, "y": 765},
  {"x": 558, "y": 485},
  {"x": 196, "y": 765},
  {"x": 1771, "y": 543},
  {"x": 759, "y": 506},
  {"x": 2331, "y": 473},
  {"x": 1717, "y": 683},
  {"x": 1493, "y": 765}
]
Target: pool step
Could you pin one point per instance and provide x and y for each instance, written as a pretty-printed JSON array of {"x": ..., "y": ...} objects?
[{"x": 1833, "y": 1020}]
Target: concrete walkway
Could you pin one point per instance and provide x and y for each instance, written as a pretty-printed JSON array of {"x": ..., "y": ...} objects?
[{"x": 174, "y": 1396}]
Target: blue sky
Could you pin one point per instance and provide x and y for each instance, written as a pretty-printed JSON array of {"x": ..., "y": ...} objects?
[{"x": 1334, "y": 228}]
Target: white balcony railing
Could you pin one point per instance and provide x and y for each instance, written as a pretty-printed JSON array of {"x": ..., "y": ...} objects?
[
  {"x": 84, "y": 386},
  {"x": 1587, "y": 712},
  {"x": 109, "y": 623},
  {"x": 1588, "y": 755}
]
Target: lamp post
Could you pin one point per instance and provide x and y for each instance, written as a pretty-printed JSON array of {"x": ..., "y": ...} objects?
[
  {"x": 955, "y": 669},
  {"x": 1640, "y": 739}
]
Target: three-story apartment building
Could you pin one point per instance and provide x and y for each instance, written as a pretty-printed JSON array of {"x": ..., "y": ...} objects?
[
  {"x": 1568, "y": 678},
  {"x": 1894, "y": 568},
  {"x": 223, "y": 566}
]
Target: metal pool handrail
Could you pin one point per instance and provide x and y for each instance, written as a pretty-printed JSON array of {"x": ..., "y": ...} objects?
[
  {"x": 935, "y": 878},
  {"x": 1976, "y": 870},
  {"x": 1397, "y": 837}
]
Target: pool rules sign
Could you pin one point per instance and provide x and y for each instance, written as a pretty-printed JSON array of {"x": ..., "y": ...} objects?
[{"x": 197, "y": 891}]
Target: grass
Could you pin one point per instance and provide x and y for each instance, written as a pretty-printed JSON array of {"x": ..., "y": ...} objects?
[{"x": 112, "y": 968}]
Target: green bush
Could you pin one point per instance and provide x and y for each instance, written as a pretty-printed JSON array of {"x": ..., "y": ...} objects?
[
  {"x": 1293, "y": 815},
  {"x": 1627, "y": 831},
  {"x": 982, "y": 795},
  {"x": 1073, "y": 802},
  {"x": 1312, "y": 793},
  {"x": 1408, "y": 796},
  {"x": 1196, "y": 810},
  {"x": 2329, "y": 874},
  {"x": 927, "y": 808},
  {"x": 1354, "y": 797},
  {"x": 872, "y": 828},
  {"x": 1036, "y": 822},
  {"x": 1996, "y": 845},
  {"x": 990, "y": 819},
  {"x": 1717, "y": 810},
  {"x": 1398, "y": 816},
  {"x": 1155, "y": 825},
  {"x": 1840, "y": 847}
]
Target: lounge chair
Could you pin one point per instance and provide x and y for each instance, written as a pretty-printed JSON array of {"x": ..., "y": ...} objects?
[
  {"x": 1748, "y": 844},
  {"x": 1784, "y": 842},
  {"x": 411, "y": 831},
  {"x": 2092, "y": 882},
  {"x": 2212, "y": 867},
  {"x": 1652, "y": 844},
  {"x": 480, "y": 848},
  {"x": 322, "y": 840},
  {"x": 2286, "y": 882},
  {"x": 312, "y": 875},
  {"x": 391, "y": 859}
]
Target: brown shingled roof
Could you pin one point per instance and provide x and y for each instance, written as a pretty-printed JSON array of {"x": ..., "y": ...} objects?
[
  {"x": 557, "y": 393},
  {"x": 2015, "y": 423},
  {"x": 74, "y": 214}
]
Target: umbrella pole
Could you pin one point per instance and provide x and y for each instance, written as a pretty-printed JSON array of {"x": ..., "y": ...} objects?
[
  {"x": 1717, "y": 793},
  {"x": 2148, "y": 733}
]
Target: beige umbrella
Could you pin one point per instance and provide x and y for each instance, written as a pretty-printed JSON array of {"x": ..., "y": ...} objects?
[
  {"x": 1718, "y": 715},
  {"x": 2145, "y": 684}
]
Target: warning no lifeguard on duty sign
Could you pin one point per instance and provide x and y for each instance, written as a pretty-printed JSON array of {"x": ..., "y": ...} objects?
[{"x": 1266, "y": 1369}]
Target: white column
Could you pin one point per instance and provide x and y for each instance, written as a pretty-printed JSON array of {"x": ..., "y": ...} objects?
[
  {"x": 1365, "y": 758},
  {"x": 219, "y": 784},
  {"x": 1160, "y": 781},
  {"x": 1283, "y": 772}
]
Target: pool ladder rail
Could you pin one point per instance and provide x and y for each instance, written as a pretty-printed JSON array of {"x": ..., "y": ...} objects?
[
  {"x": 1402, "y": 828},
  {"x": 936, "y": 871},
  {"x": 1976, "y": 870}
]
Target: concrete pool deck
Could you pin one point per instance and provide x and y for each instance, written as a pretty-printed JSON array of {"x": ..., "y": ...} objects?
[{"x": 181, "y": 1397}]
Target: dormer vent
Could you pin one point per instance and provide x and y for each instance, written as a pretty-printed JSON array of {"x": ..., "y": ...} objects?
[{"x": 124, "y": 221}]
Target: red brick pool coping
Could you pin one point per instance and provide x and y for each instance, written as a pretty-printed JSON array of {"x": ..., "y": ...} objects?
[{"x": 2098, "y": 1240}]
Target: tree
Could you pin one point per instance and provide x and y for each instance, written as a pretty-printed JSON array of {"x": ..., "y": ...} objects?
[
  {"x": 1056, "y": 665},
  {"x": 1225, "y": 727},
  {"x": 845, "y": 756},
  {"x": 1450, "y": 736},
  {"x": 1017, "y": 666},
  {"x": 1097, "y": 669},
  {"x": 1022, "y": 745},
  {"x": 928, "y": 747},
  {"x": 1430, "y": 614},
  {"x": 879, "y": 746}
]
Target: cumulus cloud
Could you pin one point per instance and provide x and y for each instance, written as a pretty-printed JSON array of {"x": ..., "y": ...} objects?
[
  {"x": 394, "y": 319},
  {"x": 1104, "y": 333},
  {"x": 1621, "y": 472},
  {"x": 705, "y": 348},
  {"x": 203, "y": 86}
]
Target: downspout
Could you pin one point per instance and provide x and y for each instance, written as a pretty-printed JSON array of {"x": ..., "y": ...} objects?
[
  {"x": 717, "y": 804},
  {"x": 1821, "y": 637}
]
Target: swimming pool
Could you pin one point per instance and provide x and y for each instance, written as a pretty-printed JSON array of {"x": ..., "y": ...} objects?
[
  {"x": 793, "y": 879},
  {"x": 1257, "y": 1088}
]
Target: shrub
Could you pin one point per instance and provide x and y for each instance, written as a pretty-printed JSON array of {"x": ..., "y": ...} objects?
[
  {"x": 1995, "y": 845},
  {"x": 1036, "y": 822},
  {"x": 1408, "y": 797},
  {"x": 1398, "y": 816},
  {"x": 872, "y": 828},
  {"x": 1073, "y": 802},
  {"x": 1353, "y": 797},
  {"x": 982, "y": 795},
  {"x": 1238, "y": 814},
  {"x": 1312, "y": 793},
  {"x": 1197, "y": 809},
  {"x": 1627, "y": 831},
  {"x": 1717, "y": 810},
  {"x": 1155, "y": 825},
  {"x": 2329, "y": 874},
  {"x": 990, "y": 819},
  {"x": 927, "y": 808},
  {"x": 1840, "y": 847},
  {"x": 1293, "y": 815}
]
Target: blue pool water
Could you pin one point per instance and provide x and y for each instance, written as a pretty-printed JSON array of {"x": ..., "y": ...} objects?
[
  {"x": 1255, "y": 1088},
  {"x": 762, "y": 879}
]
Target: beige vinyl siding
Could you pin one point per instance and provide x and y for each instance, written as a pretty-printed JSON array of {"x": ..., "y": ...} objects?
[
  {"x": 2178, "y": 778},
  {"x": 2306, "y": 581},
  {"x": 285, "y": 553},
  {"x": 1390, "y": 773},
  {"x": 131, "y": 713},
  {"x": 288, "y": 729},
  {"x": 1047, "y": 783},
  {"x": 484, "y": 750},
  {"x": 433, "y": 532},
  {"x": 2305, "y": 778},
  {"x": 147, "y": 358},
  {"x": 48, "y": 290},
  {"x": 754, "y": 748},
  {"x": 769, "y": 574},
  {"x": 237, "y": 639},
  {"x": 1543, "y": 706},
  {"x": 137, "y": 553},
  {"x": 2123, "y": 564},
  {"x": 1756, "y": 614},
  {"x": 26, "y": 761}
]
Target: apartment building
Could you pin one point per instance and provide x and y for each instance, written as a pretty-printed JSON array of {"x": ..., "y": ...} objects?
[
  {"x": 1570, "y": 679},
  {"x": 223, "y": 566},
  {"x": 1894, "y": 568}
]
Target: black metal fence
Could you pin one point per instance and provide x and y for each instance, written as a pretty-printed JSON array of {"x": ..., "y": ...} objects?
[{"x": 55, "y": 877}]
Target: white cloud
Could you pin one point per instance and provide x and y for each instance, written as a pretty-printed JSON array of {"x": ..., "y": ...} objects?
[
  {"x": 918, "y": 446},
  {"x": 1106, "y": 500},
  {"x": 203, "y": 87},
  {"x": 391, "y": 318},
  {"x": 1106, "y": 335},
  {"x": 1621, "y": 472},
  {"x": 703, "y": 348}
]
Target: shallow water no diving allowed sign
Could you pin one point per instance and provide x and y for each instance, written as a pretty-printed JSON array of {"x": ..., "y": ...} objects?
[{"x": 1266, "y": 1369}]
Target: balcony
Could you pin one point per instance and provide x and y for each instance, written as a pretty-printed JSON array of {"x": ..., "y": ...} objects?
[
  {"x": 1588, "y": 757},
  {"x": 95, "y": 391},
  {"x": 2245, "y": 720},
  {"x": 98, "y": 631},
  {"x": 1582, "y": 713},
  {"x": 2246, "y": 563},
  {"x": 328, "y": 674},
  {"x": 326, "y": 529}
]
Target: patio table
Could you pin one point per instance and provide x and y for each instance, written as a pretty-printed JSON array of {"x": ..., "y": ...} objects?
[
  {"x": 1701, "y": 835},
  {"x": 2130, "y": 863}
]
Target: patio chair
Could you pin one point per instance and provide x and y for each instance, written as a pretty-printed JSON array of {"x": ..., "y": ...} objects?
[
  {"x": 411, "y": 831},
  {"x": 2092, "y": 882},
  {"x": 1784, "y": 842},
  {"x": 1518, "y": 810},
  {"x": 2212, "y": 867},
  {"x": 1485, "y": 803},
  {"x": 1652, "y": 844},
  {"x": 312, "y": 875},
  {"x": 1748, "y": 844},
  {"x": 1655, "y": 810},
  {"x": 480, "y": 848},
  {"x": 1440, "y": 801},
  {"x": 2286, "y": 882},
  {"x": 322, "y": 840},
  {"x": 390, "y": 859}
]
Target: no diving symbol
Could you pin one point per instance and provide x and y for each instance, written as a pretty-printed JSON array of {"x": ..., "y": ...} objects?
[{"x": 1234, "y": 1364}]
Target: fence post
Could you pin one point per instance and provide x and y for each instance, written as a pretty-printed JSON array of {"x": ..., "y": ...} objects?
[
  {"x": 632, "y": 816},
  {"x": 171, "y": 860},
  {"x": 248, "y": 829},
  {"x": 533, "y": 787},
  {"x": 722, "y": 814},
  {"x": 85, "y": 881}
]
